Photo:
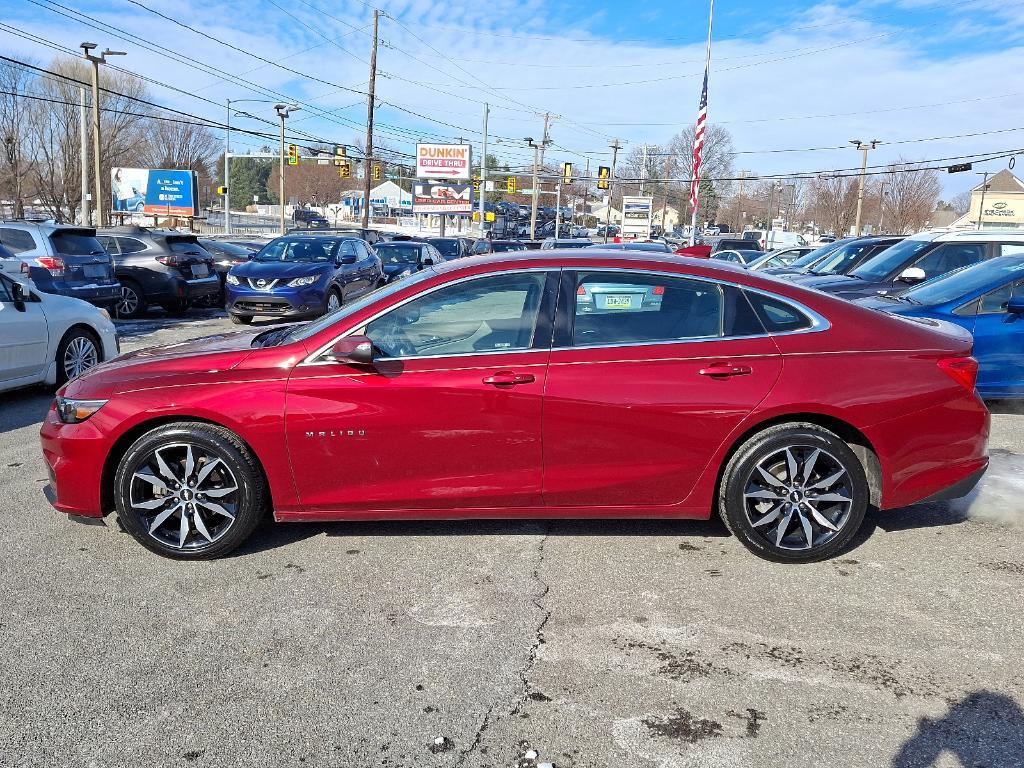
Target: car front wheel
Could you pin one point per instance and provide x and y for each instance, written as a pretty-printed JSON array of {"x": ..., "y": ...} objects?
[
  {"x": 189, "y": 491},
  {"x": 79, "y": 351},
  {"x": 794, "y": 493},
  {"x": 333, "y": 301}
]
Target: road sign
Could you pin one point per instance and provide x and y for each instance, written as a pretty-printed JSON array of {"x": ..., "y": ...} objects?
[
  {"x": 959, "y": 168},
  {"x": 636, "y": 216}
]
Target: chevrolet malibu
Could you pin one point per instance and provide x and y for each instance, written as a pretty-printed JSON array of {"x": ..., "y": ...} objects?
[{"x": 525, "y": 386}]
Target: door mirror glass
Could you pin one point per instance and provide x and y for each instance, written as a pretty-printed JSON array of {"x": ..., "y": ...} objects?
[
  {"x": 427, "y": 260},
  {"x": 912, "y": 275},
  {"x": 347, "y": 258},
  {"x": 18, "y": 293},
  {"x": 1016, "y": 305},
  {"x": 352, "y": 350}
]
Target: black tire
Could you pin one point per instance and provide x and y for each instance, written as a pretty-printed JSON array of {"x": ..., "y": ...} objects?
[
  {"x": 793, "y": 501},
  {"x": 76, "y": 344},
  {"x": 240, "y": 319},
  {"x": 333, "y": 293},
  {"x": 246, "y": 505},
  {"x": 133, "y": 302},
  {"x": 177, "y": 308}
]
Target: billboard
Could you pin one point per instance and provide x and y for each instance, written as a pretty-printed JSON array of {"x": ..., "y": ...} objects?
[
  {"x": 155, "y": 191},
  {"x": 636, "y": 216},
  {"x": 444, "y": 161},
  {"x": 436, "y": 197}
]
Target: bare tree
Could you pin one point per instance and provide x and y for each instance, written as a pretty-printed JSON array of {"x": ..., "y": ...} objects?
[
  {"x": 961, "y": 203},
  {"x": 15, "y": 153},
  {"x": 716, "y": 165},
  {"x": 910, "y": 196},
  {"x": 833, "y": 203}
]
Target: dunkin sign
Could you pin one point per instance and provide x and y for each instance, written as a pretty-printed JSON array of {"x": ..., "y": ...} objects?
[{"x": 452, "y": 162}]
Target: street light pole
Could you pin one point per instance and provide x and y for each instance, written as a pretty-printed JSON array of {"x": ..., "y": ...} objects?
[
  {"x": 483, "y": 174},
  {"x": 368, "y": 163},
  {"x": 863, "y": 147},
  {"x": 611, "y": 180},
  {"x": 98, "y": 181},
  {"x": 881, "y": 206},
  {"x": 84, "y": 138},
  {"x": 227, "y": 173},
  {"x": 283, "y": 110}
]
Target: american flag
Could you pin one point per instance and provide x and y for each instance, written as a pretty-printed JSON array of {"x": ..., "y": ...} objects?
[{"x": 698, "y": 141}]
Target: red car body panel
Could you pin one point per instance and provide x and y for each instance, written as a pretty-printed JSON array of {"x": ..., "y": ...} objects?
[
  {"x": 614, "y": 431},
  {"x": 694, "y": 251}
]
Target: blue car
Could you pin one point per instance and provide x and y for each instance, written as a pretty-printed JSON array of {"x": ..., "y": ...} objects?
[
  {"x": 988, "y": 300},
  {"x": 301, "y": 276}
]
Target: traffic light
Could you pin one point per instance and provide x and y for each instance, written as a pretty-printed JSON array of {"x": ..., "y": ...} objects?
[
  {"x": 345, "y": 170},
  {"x": 376, "y": 173},
  {"x": 222, "y": 190},
  {"x": 476, "y": 185},
  {"x": 604, "y": 173},
  {"x": 567, "y": 173},
  {"x": 293, "y": 155},
  {"x": 510, "y": 184},
  {"x": 340, "y": 153}
]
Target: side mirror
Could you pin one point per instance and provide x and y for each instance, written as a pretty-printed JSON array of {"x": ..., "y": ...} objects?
[
  {"x": 352, "y": 350},
  {"x": 18, "y": 294},
  {"x": 912, "y": 275},
  {"x": 427, "y": 261},
  {"x": 347, "y": 258},
  {"x": 1016, "y": 306}
]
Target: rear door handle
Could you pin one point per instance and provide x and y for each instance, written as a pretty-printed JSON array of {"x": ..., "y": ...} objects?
[
  {"x": 508, "y": 378},
  {"x": 722, "y": 370}
]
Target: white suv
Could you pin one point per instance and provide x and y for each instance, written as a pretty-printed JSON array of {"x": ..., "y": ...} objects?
[{"x": 49, "y": 339}]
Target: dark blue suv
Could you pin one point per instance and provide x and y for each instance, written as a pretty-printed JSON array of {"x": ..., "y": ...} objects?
[{"x": 298, "y": 276}]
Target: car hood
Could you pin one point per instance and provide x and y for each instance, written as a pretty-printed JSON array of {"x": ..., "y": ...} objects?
[
  {"x": 276, "y": 270},
  {"x": 143, "y": 367}
]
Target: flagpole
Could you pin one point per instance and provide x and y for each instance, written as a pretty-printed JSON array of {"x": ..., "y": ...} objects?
[{"x": 696, "y": 179}]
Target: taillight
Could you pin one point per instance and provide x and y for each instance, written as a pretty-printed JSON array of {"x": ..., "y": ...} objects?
[
  {"x": 658, "y": 290},
  {"x": 54, "y": 265},
  {"x": 169, "y": 261},
  {"x": 581, "y": 291},
  {"x": 962, "y": 370}
]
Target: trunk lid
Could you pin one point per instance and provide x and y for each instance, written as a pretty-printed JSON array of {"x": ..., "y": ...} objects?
[{"x": 85, "y": 260}]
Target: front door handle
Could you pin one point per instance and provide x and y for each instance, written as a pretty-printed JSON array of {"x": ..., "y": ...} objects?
[
  {"x": 723, "y": 370},
  {"x": 508, "y": 378}
]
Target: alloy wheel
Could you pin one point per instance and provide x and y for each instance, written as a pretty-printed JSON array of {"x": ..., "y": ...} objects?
[
  {"x": 798, "y": 497},
  {"x": 333, "y": 302},
  {"x": 185, "y": 495},
  {"x": 129, "y": 302},
  {"x": 80, "y": 355}
]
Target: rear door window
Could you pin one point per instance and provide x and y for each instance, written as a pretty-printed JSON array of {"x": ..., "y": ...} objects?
[
  {"x": 951, "y": 256},
  {"x": 130, "y": 244},
  {"x": 18, "y": 240},
  {"x": 1011, "y": 249}
]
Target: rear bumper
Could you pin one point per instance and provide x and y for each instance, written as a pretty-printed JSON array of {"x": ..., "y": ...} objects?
[
  {"x": 100, "y": 293},
  {"x": 960, "y": 489}
]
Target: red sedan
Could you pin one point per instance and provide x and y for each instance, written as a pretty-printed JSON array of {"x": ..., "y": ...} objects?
[{"x": 543, "y": 384}]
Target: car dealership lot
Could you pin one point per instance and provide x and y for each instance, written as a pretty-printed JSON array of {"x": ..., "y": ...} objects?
[{"x": 470, "y": 643}]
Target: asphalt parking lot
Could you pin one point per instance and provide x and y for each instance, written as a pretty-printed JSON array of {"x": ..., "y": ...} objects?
[{"x": 589, "y": 643}]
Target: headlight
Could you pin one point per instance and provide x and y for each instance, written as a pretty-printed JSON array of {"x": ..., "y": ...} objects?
[
  {"x": 303, "y": 281},
  {"x": 76, "y": 411},
  {"x": 231, "y": 279}
]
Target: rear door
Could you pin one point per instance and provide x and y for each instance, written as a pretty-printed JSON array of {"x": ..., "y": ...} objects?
[
  {"x": 23, "y": 337},
  {"x": 648, "y": 375}
]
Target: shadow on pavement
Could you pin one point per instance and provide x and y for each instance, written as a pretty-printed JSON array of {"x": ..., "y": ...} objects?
[
  {"x": 24, "y": 408},
  {"x": 273, "y": 535},
  {"x": 1009, "y": 407},
  {"x": 983, "y": 729}
]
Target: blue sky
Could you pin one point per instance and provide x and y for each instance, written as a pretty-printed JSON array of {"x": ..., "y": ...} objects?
[{"x": 785, "y": 75}]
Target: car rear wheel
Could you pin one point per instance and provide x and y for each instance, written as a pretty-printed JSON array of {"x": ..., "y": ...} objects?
[
  {"x": 189, "y": 491},
  {"x": 176, "y": 308},
  {"x": 132, "y": 302},
  {"x": 240, "y": 319},
  {"x": 78, "y": 351},
  {"x": 333, "y": 300},
  {"x": 794, "y": 493}
]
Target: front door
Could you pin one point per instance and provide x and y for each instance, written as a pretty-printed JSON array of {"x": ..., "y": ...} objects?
[
  {"x": 645, "y": 381},
  {"x": 450, "y": 416},
  {"x": 999, "y": 344},
  {"x": 23, "y": 337}
]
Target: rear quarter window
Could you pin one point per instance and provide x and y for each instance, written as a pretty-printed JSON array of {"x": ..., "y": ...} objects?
[{"x": 776, "y": 315}]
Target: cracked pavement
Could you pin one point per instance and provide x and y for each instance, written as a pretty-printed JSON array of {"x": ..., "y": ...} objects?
[{"x": 595, "y": 643}]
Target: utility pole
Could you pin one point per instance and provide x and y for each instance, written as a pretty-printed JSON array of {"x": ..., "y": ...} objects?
[
  {"x": 538, "y": 159},
  {"x": 283, "y": 111},
  {"x": 864, "y": 147},
  {"x": 483, "y": 170},
  {"x": 227, "y": 173},
  {"x": 367, "y": 169},
  {"x": 83, "y": 131},
  {"x": 981, "y": 205},
  {"x": 643, "y": 170},
  {"x": 881, "y": 206},
  {"x": 608, "y": 210},
  {"x": 98, "y": 181}
]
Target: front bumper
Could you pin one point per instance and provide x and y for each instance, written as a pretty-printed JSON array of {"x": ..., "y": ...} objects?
[
  {"x": 74, "y": 462},
  {"x": 291, "y": 302}
]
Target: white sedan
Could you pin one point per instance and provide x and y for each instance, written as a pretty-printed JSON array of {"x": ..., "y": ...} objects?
[{"x": 48, "y": 339}]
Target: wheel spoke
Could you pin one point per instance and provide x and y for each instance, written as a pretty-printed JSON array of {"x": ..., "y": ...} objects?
[
  {"x": 151, "y": 503},
  {"x": 183, "y": 530},
  {"x": 821, "y": 520},
  {"x": 764, "y": 494},
  {"x": 205, "y": 471},
  {"x": 832, "y": 497},
  {"x": 162, "y": 517},
  {"x": 216, "y": 508},
  {"x": 808, "y": 531},
  {"x": 770, "y": 478},
  {"x": 197, "y": 519},
  {"x": 791, "y": 466},
  {"x": 149, "y": 477},
  {"x": 828, "y": 480},
  {"x": 219, "y": 493},
  {"x": 164, "y": 469},
  {"x": 809, "y": 463},
  {"x": 190, "y": 462},
  {"x": 782, "y": 527},
  {"x": 770, "y": 516}
]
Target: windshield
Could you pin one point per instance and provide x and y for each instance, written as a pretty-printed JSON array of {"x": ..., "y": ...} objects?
[
  {"x": 227, "y": 248},
  {"x": 190, "y": 247},
  {"x": 399, "y": 253},
  {"x": 299, "y": 249},
  {"x": 812, "y": 257},
  {"x": 305, "y": 330},
  {"x": 71, "y": 243},
  {"x": 839, "y": 261},
  {"x": 963, "y": 282},
  {"x": 449, "y": 247},
  {"x": 882, "y": 264}
]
